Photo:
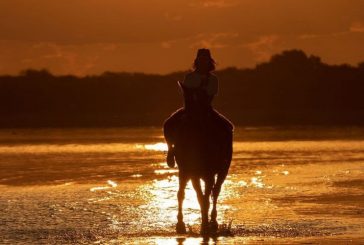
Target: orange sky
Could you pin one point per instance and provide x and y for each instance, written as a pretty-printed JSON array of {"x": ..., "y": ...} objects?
[{"x": 160, "y": 36}]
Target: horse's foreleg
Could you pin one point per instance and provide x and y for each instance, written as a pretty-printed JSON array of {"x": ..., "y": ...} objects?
[{"x": 181, "y": 227}]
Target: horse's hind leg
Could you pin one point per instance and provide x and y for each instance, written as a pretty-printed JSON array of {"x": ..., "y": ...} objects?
[
  {"x": 204, "y": 202},
  {"x": 181, "y": 227},
  {"x": 201, "y": 200},
  {"x": 215, "y": 194},
  {"x": 209, "y": 183}
]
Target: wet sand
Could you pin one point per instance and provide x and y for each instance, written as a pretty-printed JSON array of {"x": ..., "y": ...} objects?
[{"x": 296, "y": 186}]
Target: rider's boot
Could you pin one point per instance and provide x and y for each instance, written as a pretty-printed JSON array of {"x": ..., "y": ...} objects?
[{"x": 170, "y": 157}]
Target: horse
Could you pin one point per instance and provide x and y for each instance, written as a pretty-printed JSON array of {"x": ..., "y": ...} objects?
[{"x": 203, "y": 151}]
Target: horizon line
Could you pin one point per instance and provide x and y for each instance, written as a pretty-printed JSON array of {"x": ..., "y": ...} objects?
[{"x": 48, "y": 70}]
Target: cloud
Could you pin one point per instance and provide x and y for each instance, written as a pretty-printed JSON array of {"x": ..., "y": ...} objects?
[
  {"x": 60, "y": 59},
  {"x": 213, "y": 40},
  {"x": 46, "y": 52},
  {"x": 110, "y": 46},
  {"x": 264, "y": 47},
  {"x": 172, "y": 17},
  {"x": 167, "y": 44},
  {"x": 357, "y": 27},
  {"x": 308, "y": 36},
  {"x": 214, "y": 3}
]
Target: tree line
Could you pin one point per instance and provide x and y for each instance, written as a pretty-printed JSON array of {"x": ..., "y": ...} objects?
[{"x": 292, "y": 88}]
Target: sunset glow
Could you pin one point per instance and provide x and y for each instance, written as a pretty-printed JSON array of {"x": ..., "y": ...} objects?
[
  {"x": 181, "y": 122},
  {"x": 90, "y": 37}
]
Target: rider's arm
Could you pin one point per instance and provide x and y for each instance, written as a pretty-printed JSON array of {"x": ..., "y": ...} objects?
[
  {"x": 190, "y": 80},
  {"x": 213, "y": 87}
]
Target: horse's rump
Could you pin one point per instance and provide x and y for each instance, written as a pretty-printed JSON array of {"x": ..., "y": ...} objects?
[{"x": 202, "y": 148}]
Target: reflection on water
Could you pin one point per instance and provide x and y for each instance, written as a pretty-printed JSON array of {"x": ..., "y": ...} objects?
[
  {"x": 166, "y": 171},
  {"x": 94, "y": 191},
  {"x": 111, "y": 185},
  {"x": 80, "y": 148},
  {"x": 186, "y": 241},
  {"x": 257, "y": 181},
  {"x": 160, "y": 146},
  {"x": 162, "y": 204}
]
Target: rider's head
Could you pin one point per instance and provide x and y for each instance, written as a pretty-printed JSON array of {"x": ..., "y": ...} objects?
[{"x": 204, "y": 61}]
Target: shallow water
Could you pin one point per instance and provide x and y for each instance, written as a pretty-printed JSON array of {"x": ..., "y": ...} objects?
[{"x": 113, "y": 186}]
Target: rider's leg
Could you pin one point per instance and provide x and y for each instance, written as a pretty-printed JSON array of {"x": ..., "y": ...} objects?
[
  {"x": 170, "y": 131},
  {"x": 223, "y": 121}
]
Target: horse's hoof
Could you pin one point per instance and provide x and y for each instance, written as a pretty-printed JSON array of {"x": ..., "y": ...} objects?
[
  {"x": 181, "y": 228},
  {"x": 214, "y": 226},
  {"x": 205, "y": 229}
]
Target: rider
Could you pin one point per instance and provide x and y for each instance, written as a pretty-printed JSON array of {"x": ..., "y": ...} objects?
[{"x": 201, "y": 78}]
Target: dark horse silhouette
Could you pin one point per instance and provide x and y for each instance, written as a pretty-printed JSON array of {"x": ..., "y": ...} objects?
[{"x": 203, "y": 151}]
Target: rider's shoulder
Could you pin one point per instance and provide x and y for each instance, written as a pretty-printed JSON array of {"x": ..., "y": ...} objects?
[{"x": 191, "y": 80}]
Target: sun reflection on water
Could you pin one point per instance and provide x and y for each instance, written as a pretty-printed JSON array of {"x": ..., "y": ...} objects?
[
  {"x": 165, "y": 171},
  {"x": 112, "y": 184},
  {"x": 160, "y": 146},
  {"x": 162, "y": 205},
  {"x": 162, "y": 195},
  {"x": 182, "y": 240},
  {"x": 257, "y": 182}
]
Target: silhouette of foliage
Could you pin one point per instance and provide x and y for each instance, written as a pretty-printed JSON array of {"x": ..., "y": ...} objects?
[{"x": 290, "y": 89}]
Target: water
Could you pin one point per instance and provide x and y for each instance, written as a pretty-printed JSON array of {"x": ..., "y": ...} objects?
[{"x": 112, "y": 186}]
